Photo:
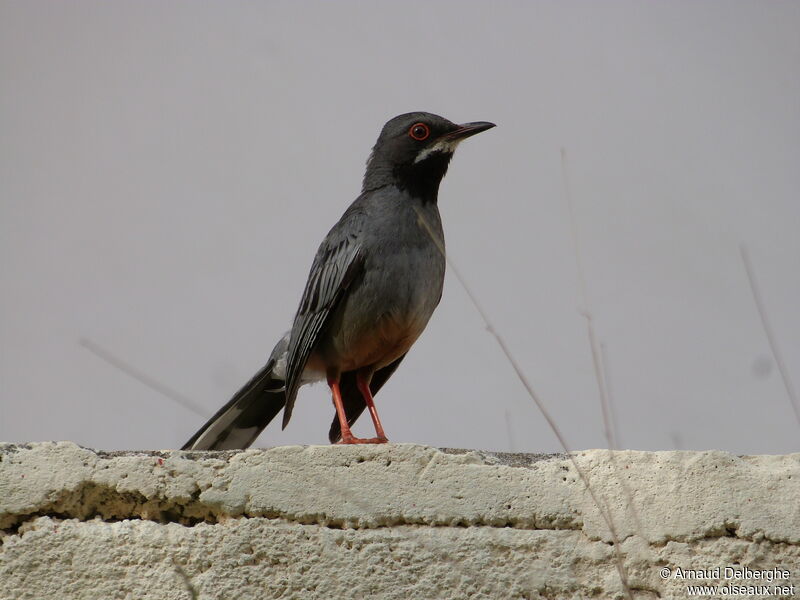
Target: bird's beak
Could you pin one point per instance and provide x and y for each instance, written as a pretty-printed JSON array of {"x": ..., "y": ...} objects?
[
  {"x": 447, "y": 143},
  {"x": 466, "y": 130}
]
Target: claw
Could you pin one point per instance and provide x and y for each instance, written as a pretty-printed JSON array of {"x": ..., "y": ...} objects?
[{"x": 354, "y": 440}]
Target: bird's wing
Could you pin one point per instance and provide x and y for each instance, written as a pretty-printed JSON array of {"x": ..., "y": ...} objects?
[{"x": 338, "y": 261}]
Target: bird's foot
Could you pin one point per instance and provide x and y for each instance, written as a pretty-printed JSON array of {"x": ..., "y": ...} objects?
[{"x": 349, "y": 439}]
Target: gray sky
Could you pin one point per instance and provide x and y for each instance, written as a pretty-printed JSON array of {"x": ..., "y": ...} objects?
[{"x": 167, "y": 170}]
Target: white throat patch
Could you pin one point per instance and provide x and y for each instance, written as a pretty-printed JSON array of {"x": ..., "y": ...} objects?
[{"x": 444, "y": 145}]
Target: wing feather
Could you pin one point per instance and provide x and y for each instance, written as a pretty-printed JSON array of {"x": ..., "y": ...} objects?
[{"x": 334, "y": 267}]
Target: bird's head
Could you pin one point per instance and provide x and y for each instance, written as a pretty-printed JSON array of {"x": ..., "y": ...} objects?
[{"x": 414, "y": 150}]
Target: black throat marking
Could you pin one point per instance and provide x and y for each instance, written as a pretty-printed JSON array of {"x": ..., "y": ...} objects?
[{"x": 422, "y": 179}]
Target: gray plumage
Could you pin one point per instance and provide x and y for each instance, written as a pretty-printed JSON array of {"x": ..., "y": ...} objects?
[{"x": 374, "y": 284}]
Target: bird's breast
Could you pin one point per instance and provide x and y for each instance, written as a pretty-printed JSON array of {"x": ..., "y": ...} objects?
[{"x": 387, "y": 308}]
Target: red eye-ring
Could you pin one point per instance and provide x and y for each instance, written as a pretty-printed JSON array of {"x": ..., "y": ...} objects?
[{"x": 419, "y": 131}]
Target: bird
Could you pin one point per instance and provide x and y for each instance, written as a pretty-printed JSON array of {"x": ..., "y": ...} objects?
[{"x": 374, "y": 284}]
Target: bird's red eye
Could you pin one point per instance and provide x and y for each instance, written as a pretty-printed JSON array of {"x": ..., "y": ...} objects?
[{"x": 419, "y": 131}]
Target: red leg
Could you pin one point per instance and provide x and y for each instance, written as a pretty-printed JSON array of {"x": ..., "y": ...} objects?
[
  {"x": 347, "y": 435},
  {"x": 363, "y": 386}
]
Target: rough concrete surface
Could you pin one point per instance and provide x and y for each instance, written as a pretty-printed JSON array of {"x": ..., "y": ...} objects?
[{"x": 394, "y": 521}]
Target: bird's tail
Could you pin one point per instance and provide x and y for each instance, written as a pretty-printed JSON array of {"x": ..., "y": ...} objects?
[{"x": 237, "y": 424}]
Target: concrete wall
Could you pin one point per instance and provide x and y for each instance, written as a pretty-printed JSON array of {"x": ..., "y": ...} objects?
[{"x": 394, "y": 521}]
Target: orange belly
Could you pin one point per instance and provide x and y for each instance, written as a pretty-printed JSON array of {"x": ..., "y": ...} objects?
[{"x": 375, "y": 345}]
